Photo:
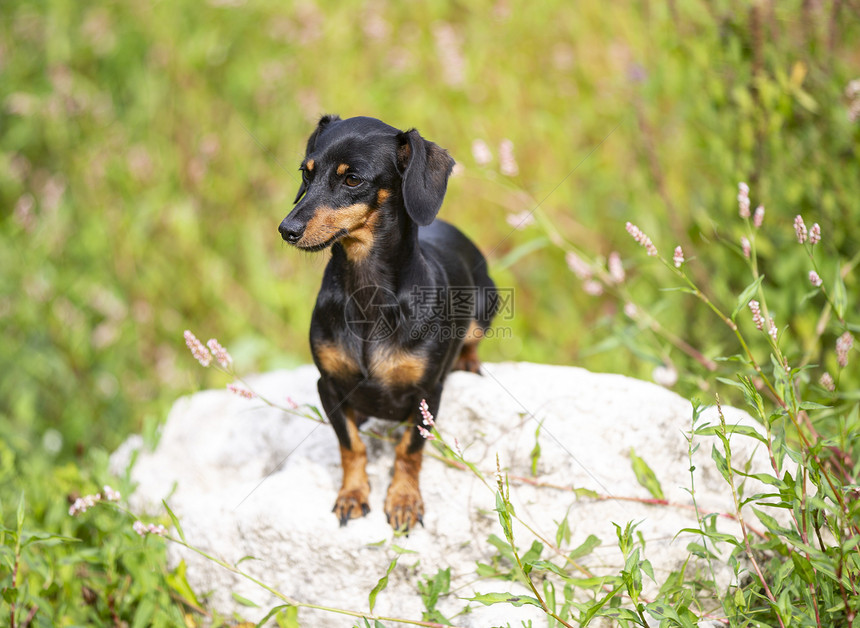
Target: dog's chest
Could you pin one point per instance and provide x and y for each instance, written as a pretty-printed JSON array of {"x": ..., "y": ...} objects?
[{"x": 388, "y": 365}]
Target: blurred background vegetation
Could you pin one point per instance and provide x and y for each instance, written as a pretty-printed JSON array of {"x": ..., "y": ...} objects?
[{"x": 148, "y": 152}]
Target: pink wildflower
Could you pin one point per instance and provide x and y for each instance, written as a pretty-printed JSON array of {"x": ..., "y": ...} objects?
[
  {"x": 678, "y": 258},
  {"x": 521, "y": 220},
  {"x": 291, "y": 403},
  {"x": 743, "y": 200},
  {"x": 771, "y": 328},
  {"x": 631, "y": 310},
  {"x": 826, "y": 381},
  {"x": 110, "y": 494},
  {"x": 220, "y": 353},
  {"x": 745, "y": 246},
  {"x": 758, "y": 216},
  {"x": 143, "y": 529},
  {"x": 814, "y": 279},
  {"x": 579, "y": 266},
  {"x": 815, "y": 234},
  {"x": 800, "y": 229},
  {"x": 425, "y": 412},
  {"x": 425, "y": 432},
  {"x": 616, "y": 268},
  {"x": 198, "y": 350},
  {"x": 593, "y": 287},
  {"x": 507, "y": 162},
  {"x": 843, "y": 346},
  {"x": 83, "y": 503},
  {"x": 641, "y": 238},
  {"x": 481, "y": 152},
  {"x": 242, "y": 392},
  {"x": 755, "y": 308}
]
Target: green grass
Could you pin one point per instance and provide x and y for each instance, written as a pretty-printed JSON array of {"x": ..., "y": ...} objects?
[{"x": 149, "y": 151}]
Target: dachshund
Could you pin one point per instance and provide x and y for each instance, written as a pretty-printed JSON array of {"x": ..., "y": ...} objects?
[{"x": 405, "y": 298}]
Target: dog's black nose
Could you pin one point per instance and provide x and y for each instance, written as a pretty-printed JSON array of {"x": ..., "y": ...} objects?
[{"x": 291, "y": 232}]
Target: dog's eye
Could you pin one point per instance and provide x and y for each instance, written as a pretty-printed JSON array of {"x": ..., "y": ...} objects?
[{"x": 352, "y": 180}]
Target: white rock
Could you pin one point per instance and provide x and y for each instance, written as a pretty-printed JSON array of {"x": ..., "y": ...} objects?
[{"x": 249, "y": 480}]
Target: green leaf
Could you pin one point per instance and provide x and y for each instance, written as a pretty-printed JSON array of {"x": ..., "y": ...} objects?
[
  {"x": 562, "y": 532},
  {"x": 621, "y": 614},
  {"x": 432, "y": 588},
  {"x": 143, "y": 614},
  {"x": 383, "y": 582},
  {"x": 504, "y": 514},
  {"x": 178, "y": 581},
  {"x": 286, "y": 616},
  {"x": 806, "y": 100},
  {"x": 20, "y": 515},
  {"x": 840, "y": 296},
  {"x": 646, "y": 476},
  {"x": 585, "y": 548},
  {"x": 803, "y": 568},
  {"x": 244, "y": 558},
  {"x": 811, "y": 405},
  {"x": 175, "y": 521},
  {"x": 401, "y": 550},
  {"x": 521, "y": 251},
  {"x": 596, "y": 608},
  {"x": 535, "y": 452},
  {"x": 712, "y": 534},
  {"x": 722, "y": 465},
  {"x": 49, "y": 539},
  {"x": 746, "y": 296},
  {"x": 730, "y": 382},
  {"x": 743, "y": 430},
  {"x": 772, "y": 524},
  {"x": 488, "y": 599},
  {"x": 244, "y": 601},
  {"x": 545, "y": 565},
  {"x": 534, "y": 552}
]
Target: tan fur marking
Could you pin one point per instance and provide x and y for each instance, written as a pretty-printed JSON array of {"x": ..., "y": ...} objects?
[
  {"x": 352, "y": 498},
  {"x": 334, "y": 361},
  {"x": 341, "y": 169},
  {"x": 359, "y": 242},
  {"x": 328, "y": 222},
  {"x": 398, "y": 368},
  {"x": 382, "y": 196},
  {"x": 354, "y": 459},
  {"x": 403, "y": 503},
  {"x": 310, "y": 165},
  {"x": 474, "y": 334}
]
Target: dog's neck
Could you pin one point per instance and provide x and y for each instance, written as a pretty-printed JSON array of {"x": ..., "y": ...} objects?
[{"x": 394, "y": 255}]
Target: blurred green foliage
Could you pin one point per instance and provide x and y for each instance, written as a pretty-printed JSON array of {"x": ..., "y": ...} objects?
[{"x": 149, "y": 151}]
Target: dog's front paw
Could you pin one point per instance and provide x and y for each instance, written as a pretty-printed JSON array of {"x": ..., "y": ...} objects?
[
  {"x": 351, "y": 504},
  {"x": 468, "y": 360},
  {"x": 404, "y": 506}
]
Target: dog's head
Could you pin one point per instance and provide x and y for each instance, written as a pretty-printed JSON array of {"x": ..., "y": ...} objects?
[{"x": 351, "y": 170}]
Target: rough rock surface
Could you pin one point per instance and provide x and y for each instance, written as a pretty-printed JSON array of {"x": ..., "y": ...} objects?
[{"x": 249, "y": 480}]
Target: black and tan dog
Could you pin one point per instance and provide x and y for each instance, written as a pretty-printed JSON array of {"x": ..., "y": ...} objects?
[{"x": 404, "y": 299}]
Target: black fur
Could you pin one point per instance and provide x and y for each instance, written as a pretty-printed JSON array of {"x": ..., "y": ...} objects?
[{"x": 378, "y": 267}]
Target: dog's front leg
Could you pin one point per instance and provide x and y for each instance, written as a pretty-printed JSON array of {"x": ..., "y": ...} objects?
[
  {"x": 352, "y": 500},
  {"x": 404, "y": 506}
]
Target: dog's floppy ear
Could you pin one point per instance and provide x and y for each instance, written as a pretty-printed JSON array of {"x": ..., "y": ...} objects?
[
  {"x": 312, "y": 140},
  {"x": 425, "y": 167},
  {"x": 323, "y": 123}
]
